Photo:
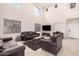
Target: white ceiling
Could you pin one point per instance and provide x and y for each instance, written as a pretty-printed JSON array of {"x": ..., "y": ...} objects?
[{"x": 44, "y": 5}]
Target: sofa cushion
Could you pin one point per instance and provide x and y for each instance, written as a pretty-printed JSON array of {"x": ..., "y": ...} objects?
[
  {"x": 52, "y": 38},
  {"x": 9, "y": 44},
  {"x": 1, "y": 49},
  {"x": 7, "y": 39},
  {"x": 24, "y": 33},
  {"x": 28, "y": 33},
  {"x": 1, "y": 45}
]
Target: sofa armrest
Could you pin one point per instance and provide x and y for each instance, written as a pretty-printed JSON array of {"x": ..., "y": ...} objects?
[
  {"x": 48, "y": 42},
  {"x": 17, "y": 51},
  {"x": 4, "y": 54},
  {"x": 6, "y": 39}
]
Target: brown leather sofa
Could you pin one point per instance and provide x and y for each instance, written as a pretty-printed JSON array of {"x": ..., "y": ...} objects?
[
  {"x": 28, "y": 35},
  {"x": 53, "y": 45}
]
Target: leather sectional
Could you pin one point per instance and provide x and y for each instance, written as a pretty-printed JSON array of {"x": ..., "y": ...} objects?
[
  {"x": 10, "y": 48},
  {"x": 53, "y": 45}
]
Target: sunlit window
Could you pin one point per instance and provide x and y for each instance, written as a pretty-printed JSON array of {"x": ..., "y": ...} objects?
[
  {"x": 17, "y": 5},
  {"x": 37, "y": 11}
]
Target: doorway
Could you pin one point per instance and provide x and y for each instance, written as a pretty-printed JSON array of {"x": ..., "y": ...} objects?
[{"x": 72, "y": 28}]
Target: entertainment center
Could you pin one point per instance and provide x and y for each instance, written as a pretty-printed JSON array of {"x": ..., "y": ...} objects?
[
  {"x": 46, "y": 27},
  {"x": 46, "y": 30}
]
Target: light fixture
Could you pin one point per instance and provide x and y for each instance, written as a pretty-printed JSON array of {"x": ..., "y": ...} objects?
[
  {"x": 72, "y": 5},
  {"x": 56, "y": 5},
  {"x": 46, "y": 9}
]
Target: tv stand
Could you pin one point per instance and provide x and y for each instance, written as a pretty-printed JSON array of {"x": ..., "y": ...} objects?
[{"x": 45, "y": 34}]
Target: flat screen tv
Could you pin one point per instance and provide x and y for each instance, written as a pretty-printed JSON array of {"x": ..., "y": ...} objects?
[{"x": 46, "y": 27}]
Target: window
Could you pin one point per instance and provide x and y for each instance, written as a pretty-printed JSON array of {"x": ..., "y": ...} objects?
[
  {"x": 12, "y": 26},
  {"x": 37, "y": 27},
  {"x": 17, "y": 5},
  {"x": 37, "y": 11}
]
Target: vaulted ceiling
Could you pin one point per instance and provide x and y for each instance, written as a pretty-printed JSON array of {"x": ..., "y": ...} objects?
[{"x": 43, "y": 5}]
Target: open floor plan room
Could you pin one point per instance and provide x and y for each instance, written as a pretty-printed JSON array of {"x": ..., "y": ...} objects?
[
  {"x": 69, "y": 48},
  {"x": 39, "y": 29}
]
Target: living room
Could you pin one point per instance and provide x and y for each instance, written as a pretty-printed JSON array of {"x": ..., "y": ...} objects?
[{"x": 16, "y": 18}]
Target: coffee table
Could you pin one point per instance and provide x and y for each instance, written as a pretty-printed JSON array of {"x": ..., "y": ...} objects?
[{"x": 34, "y": 44}]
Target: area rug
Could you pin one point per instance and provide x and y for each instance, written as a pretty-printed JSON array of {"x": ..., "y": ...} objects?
[{"x": 33, "y": 46}]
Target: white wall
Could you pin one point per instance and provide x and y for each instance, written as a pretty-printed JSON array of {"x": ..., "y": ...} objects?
[
  {"x": 26, "y": 13},
  {"x": 61, "y": 14}
]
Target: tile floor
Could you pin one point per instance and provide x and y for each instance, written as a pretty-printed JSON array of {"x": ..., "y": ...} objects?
[{"x": 70, "y": 48}]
